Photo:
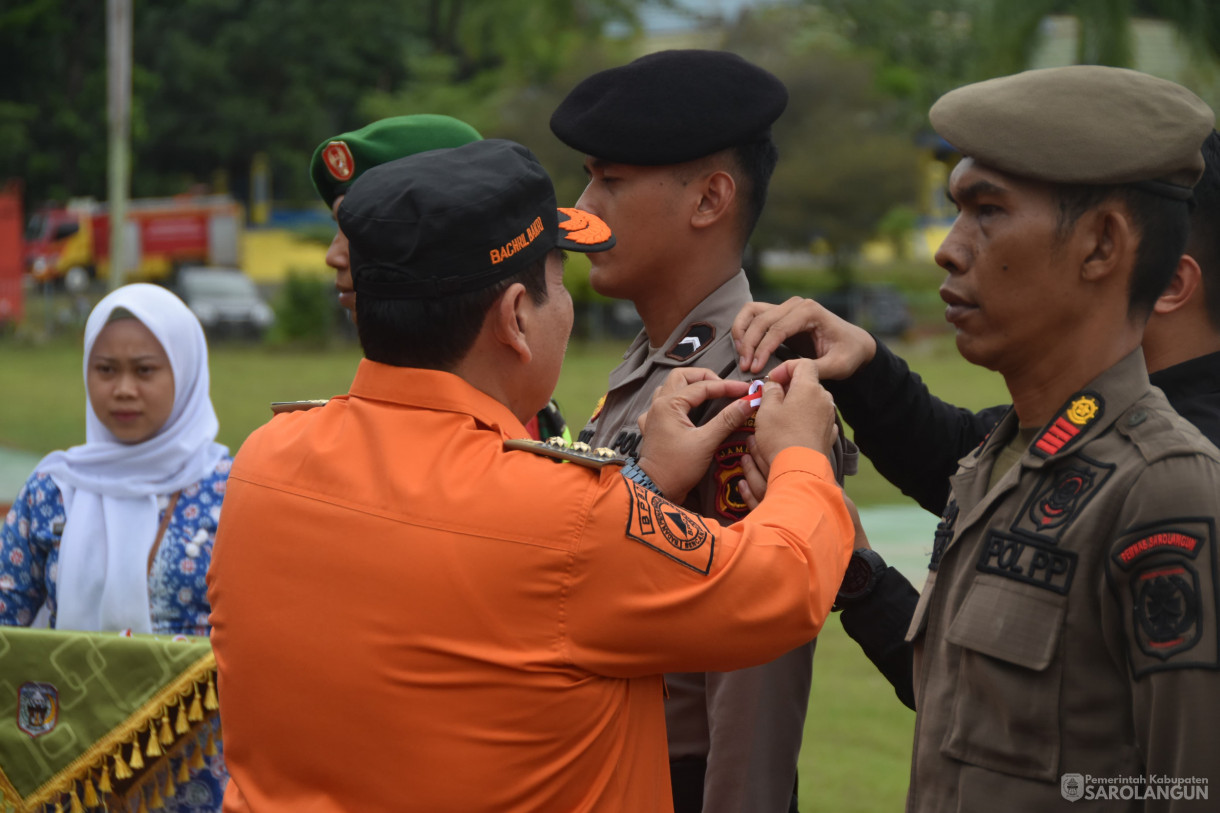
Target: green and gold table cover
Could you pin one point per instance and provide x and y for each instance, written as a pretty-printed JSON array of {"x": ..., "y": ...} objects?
[{"x": 89, "y": 720}]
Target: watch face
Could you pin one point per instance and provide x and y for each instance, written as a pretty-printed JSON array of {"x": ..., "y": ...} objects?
[{"x": 856, "y": 579}]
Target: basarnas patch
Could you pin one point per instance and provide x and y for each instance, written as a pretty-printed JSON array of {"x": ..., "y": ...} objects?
[{"x": 669, "y": 529}]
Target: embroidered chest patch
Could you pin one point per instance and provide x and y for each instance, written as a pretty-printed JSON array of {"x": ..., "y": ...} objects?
[
  {"x": 1028, "y": 560},
  {"x": 670, "y": 529},
  {"x": 1061, "y": 495},
  {"x": 944, "y": 533}
]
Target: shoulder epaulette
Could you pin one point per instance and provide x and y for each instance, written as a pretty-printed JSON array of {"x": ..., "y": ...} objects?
[
  {"x": 560, "y": 449},
  {"x": 278, "y": 407}
]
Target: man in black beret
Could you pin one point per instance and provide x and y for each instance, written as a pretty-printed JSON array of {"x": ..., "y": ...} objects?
[
  {"x": 679, "y": 154},
  {"x": 403, "y": 553},
  {"x": 1059, "y": 645}
]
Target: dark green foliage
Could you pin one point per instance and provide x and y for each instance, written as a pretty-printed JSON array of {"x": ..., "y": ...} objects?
[{"x": 304, "y": 309}]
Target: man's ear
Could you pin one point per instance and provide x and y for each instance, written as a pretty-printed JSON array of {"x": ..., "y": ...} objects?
[
  {"x": 717, "y": 193},
  {"x": 1110, "y": 238},
  {"x": 1187, "y": 278},
  {"x": 507, "y": 319}
]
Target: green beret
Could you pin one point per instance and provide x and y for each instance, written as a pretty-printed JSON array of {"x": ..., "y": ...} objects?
[
  {"x": 670, "y": 107},
  {"x": 339, "y": 161},
  {"x": 1084, "y": 124}
]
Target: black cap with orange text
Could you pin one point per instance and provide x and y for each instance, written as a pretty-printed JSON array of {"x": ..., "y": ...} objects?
[{"x": 453, "y": 221}]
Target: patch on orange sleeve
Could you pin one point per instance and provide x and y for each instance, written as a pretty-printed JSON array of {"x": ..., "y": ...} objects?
[{"x": 669, "y": 529}]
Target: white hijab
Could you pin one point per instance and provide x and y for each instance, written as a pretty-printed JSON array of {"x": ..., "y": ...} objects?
[{"x": 110, "y": 488}]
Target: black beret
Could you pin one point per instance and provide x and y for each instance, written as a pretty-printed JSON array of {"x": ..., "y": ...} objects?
[
  {"x": 457, "y": 220},
  {"x": 670, "y": 107}
]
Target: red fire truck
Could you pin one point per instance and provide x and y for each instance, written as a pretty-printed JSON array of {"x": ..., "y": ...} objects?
[
  {"x": 72, "y": 243},
  {"x": 10, "y": 255}
]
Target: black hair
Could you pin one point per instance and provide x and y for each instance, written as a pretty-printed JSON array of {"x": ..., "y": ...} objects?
[
  {"x": 756, "y": 162},
  {"x": 436, "y": 333},
  {"x": 1204, "y": 241},
  {"x": 1162, "y": 224}
]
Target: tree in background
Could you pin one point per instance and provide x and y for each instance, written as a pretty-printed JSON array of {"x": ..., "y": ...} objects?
[
  {"x": 847, "y": 150},
  {"x": 216, "y": 81},
  {"x": 1011, "y": 31}
]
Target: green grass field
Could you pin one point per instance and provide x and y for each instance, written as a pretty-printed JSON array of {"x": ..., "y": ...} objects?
[
  {"x": 44, "y": 391},
  {"x": 858, "y": 736}
]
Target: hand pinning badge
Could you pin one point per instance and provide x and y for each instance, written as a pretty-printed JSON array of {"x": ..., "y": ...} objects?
[{"x": 754, "y": 396}]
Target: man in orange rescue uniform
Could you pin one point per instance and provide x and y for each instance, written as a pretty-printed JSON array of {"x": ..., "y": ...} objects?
[{"x": 416, "y": 610}]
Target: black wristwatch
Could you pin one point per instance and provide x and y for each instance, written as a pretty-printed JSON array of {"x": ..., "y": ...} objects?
[
  {"x": 635, "y": 474},
  {"x": 863, "y": 572}
]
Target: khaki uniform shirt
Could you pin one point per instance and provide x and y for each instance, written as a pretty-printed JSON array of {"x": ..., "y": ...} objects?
[
  {"x": 747, "y": 724},
  {"x": 1066, "y": 637}
]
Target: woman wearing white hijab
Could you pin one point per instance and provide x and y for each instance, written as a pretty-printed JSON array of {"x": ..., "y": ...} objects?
[{"x": 117, "y": 534}]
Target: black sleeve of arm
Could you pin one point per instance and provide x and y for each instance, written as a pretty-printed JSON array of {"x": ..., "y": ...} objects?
[
  {"x": 879, "y": 622},
  {"x": 911, "y": 436}
]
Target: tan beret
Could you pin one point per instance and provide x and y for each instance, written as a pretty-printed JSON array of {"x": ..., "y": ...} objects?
[{"x": 1084, "y": 124}]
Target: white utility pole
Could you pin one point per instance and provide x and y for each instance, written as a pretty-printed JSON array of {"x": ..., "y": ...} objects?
[{"x": 118, "y": 95}]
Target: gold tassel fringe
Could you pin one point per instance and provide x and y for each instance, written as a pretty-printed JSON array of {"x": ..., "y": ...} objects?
[
  {"x": 210, "y": 748},
  {"x": 90, "y": 799},
  {"x": 184, "y": 772},
  {"x": 155, "y": 803},
  {"x": 137, "y": 759},
  {"x": 167, "y": 731},
  {"x": 209, "y": 700},
  {"x": 154, "y": 746},
  {"x": 196, "y": 712},
  {"x": 181, "y": 726},
  {"x": 74, "y": 804}
]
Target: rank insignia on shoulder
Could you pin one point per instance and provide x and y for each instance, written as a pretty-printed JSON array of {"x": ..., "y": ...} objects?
[
  {"x": 559, "y": 449},
  {"x": 1082, "y": 409},
  {"x": 280, "y": 407},
  {"x": 696, "y": 337}
]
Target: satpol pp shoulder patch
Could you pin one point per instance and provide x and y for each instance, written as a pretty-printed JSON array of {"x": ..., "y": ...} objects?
[
  {"x": 1163, "y": 577},
  {"x": 670, "y": 529}
]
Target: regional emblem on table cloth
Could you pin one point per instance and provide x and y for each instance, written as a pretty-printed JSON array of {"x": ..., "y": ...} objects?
[{"x": 37, "y": 708}]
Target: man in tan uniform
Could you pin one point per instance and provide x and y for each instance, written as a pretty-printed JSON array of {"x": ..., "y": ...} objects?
[
  {"x": 679, "y": 155},
  {"x": 1065, "y": 643}
]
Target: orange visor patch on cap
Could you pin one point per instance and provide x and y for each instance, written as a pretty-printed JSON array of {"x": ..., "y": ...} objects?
[
  {"x": 339, "y": 161},
  {"x": 584, "y": 228}
]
